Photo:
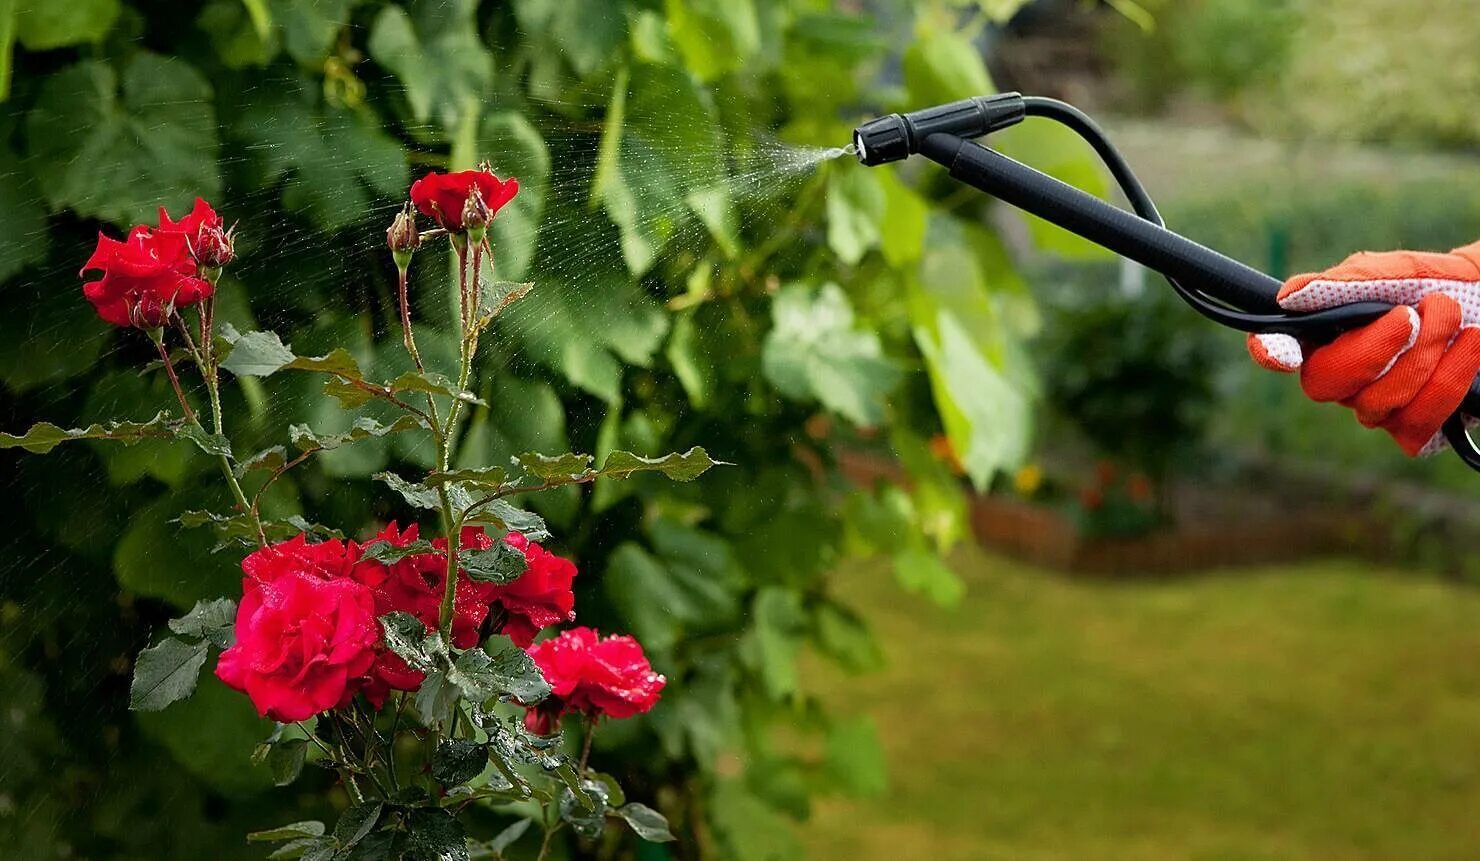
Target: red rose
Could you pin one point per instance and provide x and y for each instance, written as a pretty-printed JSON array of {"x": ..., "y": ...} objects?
[
  {"x": 597, "y": 677},
  {"x": 442, "y": 196},
  {"x": 206, "y": 236},
  {"x": 414, "y": 585},
  {"x": 542, "y": 595},
  {"x": 302, "y": 643},
  {"x": 144, "y": 278}
]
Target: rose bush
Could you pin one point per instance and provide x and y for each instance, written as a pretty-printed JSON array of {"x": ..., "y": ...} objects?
[{"x": 331, "y": 637}]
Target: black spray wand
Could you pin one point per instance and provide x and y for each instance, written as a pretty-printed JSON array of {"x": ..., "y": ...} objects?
[{"x": 1218, "y": 287}]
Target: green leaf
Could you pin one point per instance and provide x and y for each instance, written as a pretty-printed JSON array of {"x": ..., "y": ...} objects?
[
  {"x": 776, "y": 639},
  {"x": 508, "y": 837},
  {"x": 856, "y": 208},
  {"x": 510, "y": 672},
  {"x": 647, "y": 170},
  {"x": 813, "y": 351},
  {"x": 584, "y": 33},
  {"x": 385, "y": 552},
  {"x": 294, "y": 831},
  {"x": 308, "y": 27},
  {"x": 270, "y": 459},
  {"x": 416, "y": 495},
  {"x": 920, "y": 570},
  {"x": 335, "y": 158},
  {"x": 646, "y": 822},
  {"x": 458, "y": 760},
  {"x": 211, "y": 620},
  {"x": 404, "y": 634},
  {"x": 844, "y": 637},
  {"x": 513, "y": 147},
  {"x": 255, "y": 354},
  {"x": 554, "y": 467},
  {"x": 356, "y": 822},
  {"x": 500, "y": 564},
  {"x": 41, "y": 25},
  {"x": 42, "y": 437},
  {"x": 23, "y": 235},
  {"x": 435, "y": 699},
  {"x": 362, "y": 428},
  {"x": 285, "y": 760},
  {"x": 944, "y": 65},
  {"x": 212, "y": 444},
  {"x": 510, "y": 518},
  {"x": 483, "y": 478},
  {"x": 981, "y": 379},
  {"x": 435, "y": 835},
  {"x": 166, "y": 673},
  {"x": 902, "y": 226},
  {"x": 714, "y": 37},
  {"x": 116, "y": 150},
  {"x": 494, "y": 298},
  {"x": 685, "y": 466},
  {"x": 432, "y": 46}
]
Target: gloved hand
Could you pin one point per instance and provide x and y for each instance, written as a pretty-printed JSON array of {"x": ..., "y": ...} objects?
[{"x": 1405, "y": 372}]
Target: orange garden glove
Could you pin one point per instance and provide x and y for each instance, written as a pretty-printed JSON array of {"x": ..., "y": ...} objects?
[{"x": 1405, "y": 372}]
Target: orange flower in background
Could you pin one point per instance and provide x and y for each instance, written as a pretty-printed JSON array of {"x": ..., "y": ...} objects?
[
  {"x": 942, "y": 450},
  {"x": 1091, "y": 498},
  {"x": 1139, "y": 487}
]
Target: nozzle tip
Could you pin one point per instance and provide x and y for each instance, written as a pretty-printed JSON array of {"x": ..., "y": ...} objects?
[{"x": 882, "y": 140}]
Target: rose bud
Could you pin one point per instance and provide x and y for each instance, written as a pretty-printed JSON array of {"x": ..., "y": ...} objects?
[
  {"x": 475, "y": 215},
  {"x": 214, "y": 249},
  {"x": 402, "y": 238}
]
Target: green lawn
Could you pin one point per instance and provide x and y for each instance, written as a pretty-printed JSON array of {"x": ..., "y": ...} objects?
[{"x": 1326, "y": 711}]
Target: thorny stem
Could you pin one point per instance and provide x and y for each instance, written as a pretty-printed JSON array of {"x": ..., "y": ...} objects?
[
  {"x": 408, "y": 337},
  {"x": 276, "y": 474},
  {"x": 205, "y": 362},
  {"x": 545, "y": 844},
  {"x": 586, "y": 745},
  {"x": 169, "y": 368},
  {"x": 462, "y": 285}
]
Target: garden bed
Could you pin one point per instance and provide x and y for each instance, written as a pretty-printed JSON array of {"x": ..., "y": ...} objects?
[{"x": 1050, "y": 538}]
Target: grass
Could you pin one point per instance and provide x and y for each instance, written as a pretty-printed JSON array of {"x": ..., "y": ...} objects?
[{"x": 1327, "y": 711}]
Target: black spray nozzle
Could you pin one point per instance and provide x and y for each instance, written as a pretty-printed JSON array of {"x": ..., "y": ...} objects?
[{"x": 899, "y": 136}]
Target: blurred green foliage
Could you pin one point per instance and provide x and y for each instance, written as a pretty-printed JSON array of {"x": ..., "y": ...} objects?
[
  {"x": 1355, "y": 69},
  {"x": 698, "y": 280}
]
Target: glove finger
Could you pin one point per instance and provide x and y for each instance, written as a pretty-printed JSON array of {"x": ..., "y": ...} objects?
[
  {"x": 1439, "y": 321},
  {"x": 1354, "y": 360},
  {"x": 1414, "y": 425},
  {"x": 1276, "y": 352},
  {"x": 1395, "y": 277}
]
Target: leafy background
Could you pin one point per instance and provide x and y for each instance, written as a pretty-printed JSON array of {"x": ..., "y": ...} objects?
[{"x": 700, "y": 279}]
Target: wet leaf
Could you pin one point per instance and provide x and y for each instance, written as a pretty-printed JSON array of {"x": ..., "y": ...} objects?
[
  {"x": 285, "y": 760},
  {"x": 383, "y": 551},
  {"x": 417, "y": 495},
  {"x": 166, "y": 673},
  {"x": 435, "y": 836},
  {"x": 815, "y": 352},
  {"x": 500, "y": 564},
  {"x": 510, "y": 672},
  {"x": 294, "y": 831},
  {"x": 458, "y": 761},
  {"x": 404, "y": 634},
  {"x": 42, "y": 437},
  {"x": 685, "y": 466},
  {"x": 114, "y": 147},
  {"x": 362, "y": 428},
  {"x": 212, "y": 620},
  {"x": 554, "y": 467},
  {"x": 646, "y": 822}
]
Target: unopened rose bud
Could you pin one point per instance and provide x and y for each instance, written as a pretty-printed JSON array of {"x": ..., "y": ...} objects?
[
  {"x": 475, "y": 216},
  {"x": 214, "y": 249},
  {"x": 402, "y": 237}
]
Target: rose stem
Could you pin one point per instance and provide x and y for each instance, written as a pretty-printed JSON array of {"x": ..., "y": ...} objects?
[{"x": 586, "y": 745}]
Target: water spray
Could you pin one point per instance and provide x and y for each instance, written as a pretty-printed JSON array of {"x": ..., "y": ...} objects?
[{"x": 1216, "y": 286}]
